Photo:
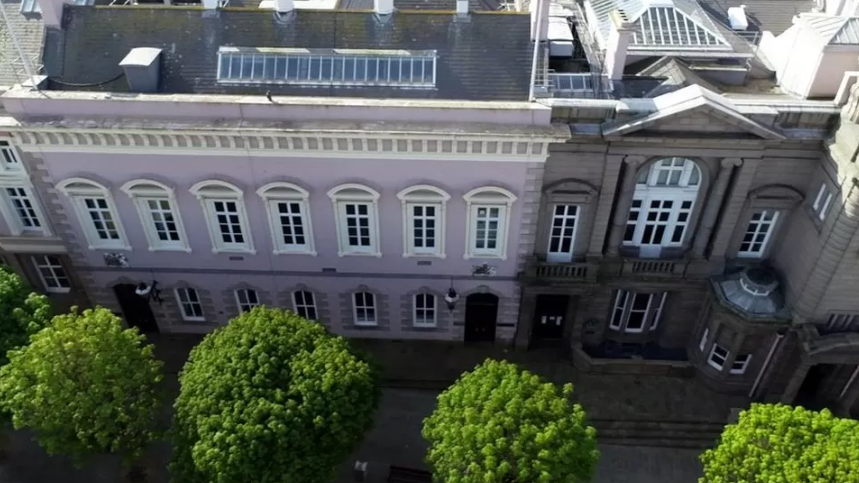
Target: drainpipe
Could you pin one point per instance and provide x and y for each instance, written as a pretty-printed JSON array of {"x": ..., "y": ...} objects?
[
  {"x": 849, "y": 382},
  {"x": 778, "y": 337},
  {"x": 537, "y": 34}
]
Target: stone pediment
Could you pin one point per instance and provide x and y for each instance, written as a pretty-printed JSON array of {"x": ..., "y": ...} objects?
[{"x": 691, "y": 111}]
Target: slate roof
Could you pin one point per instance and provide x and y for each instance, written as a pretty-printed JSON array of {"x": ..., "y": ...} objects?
[
  {"x": 834, "y": 30},
  {"x": 473, "y": 5},
  {"x": 485, "y": 57},
  {"x": 29, "y": 31}
]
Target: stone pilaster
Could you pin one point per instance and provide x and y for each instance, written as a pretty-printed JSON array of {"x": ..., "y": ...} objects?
[
  {"x": 714, "y": 203},
  {"x": 624, "y": 201},
  {"x": 734, "y": 206},
  {"x": 795, "y": 383},
  {"x": 612, "y": 170}
]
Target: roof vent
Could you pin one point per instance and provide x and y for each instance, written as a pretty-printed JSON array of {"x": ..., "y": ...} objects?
[
  {"x": 142, "y": 69},
  {"x": 737, "y": 17},
  {"x": 754, "y": 291}
]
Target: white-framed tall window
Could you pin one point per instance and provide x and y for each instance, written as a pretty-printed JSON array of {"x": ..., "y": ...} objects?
[
  {"x": 487, "y": 222},
  {"x": 226, "y": 216},
  {"x": 424, "y": 220},
  {"x": 662, "y": 205},
  {"x": 190, "y": 306},
  {"x": 755, "y": 240},
  {"x": 304, "y": 303},
  {"x": 97, "y": 213},
  {"x": 635, "y": 312},
  {"x": 356, "y": 211},
  {"x": 562, "y": 233},
  {"x": 159, "y": 214},
  {"x": 364, "y": 309},
  {"x": 718, "y": 356},
  {"x": 289, "y": 218},
  {"x": 822, "y": 201},
  {"x": 425, "y": 310},
  {"x": 52, "y": 273},
  {"x": 740, "y": 364},
  {"x": 10, "y": 162},
  {"x": 246, "y": 299},
  {"x": 21, "y": 209}
]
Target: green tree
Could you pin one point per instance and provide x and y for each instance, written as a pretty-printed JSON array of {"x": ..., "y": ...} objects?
[
  {"x": 775, "y": 443},
  {"x": 84, "y": 386},
  {"x": 270, "y": 398},
  {"x": 22, "y": 312},
  {"x": 499, "y": 424}
]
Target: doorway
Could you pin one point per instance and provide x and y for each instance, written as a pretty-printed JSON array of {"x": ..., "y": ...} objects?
[
  {"x": 481, "y": 312},
  {"x": 549, "y": 318},
  {"x": 813, "y": 393},
  {"x": 135, "y": 309}
]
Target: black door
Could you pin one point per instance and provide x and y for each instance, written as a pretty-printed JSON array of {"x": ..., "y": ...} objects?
[
  {"x": 136, "y": 309},
  {"x": 481, "y": 311},
  {"x": 549, "y": 317},
  {"x": 812, "y": 394}
]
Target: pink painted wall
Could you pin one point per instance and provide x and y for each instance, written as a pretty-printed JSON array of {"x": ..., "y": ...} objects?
[{"x": 317, "y": 176}]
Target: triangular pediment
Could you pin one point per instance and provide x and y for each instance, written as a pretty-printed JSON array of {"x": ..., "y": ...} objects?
[{"x": 691, "y": 110}]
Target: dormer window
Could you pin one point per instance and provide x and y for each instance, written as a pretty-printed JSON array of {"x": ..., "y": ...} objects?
[
  {"x": 9, "y": 159},
  {"x": 327, "y": 67}
]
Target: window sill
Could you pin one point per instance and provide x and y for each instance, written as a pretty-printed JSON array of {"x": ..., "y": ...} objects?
[
  {"x": 125, "y": 248},
  {"x": 228, "y": 251},
  {"x": 714, "y": 365},
  {"x": 194, "y": 320},
  {"x": 424, "y": 327},
  {"x": 311, "y": 253},
  {"x": 365, "y": 326},
  {"x": 469, "y": 256},
  {"x": 424, "y": 255},
  {"x": 360, "y": 254},
  {"x": 165, "y": 249},
  {"x": 57, "y": 291}
]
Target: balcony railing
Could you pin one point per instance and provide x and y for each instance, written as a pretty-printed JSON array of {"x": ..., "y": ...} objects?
[
  {"x": 653, "y": 267},
  {"x": 561, "y": 272}
]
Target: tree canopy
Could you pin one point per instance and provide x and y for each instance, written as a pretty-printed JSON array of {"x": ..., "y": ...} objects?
[
  {"x": 775, "y": 443},
  {"x": 499, "y": 424},
  {"x": 22, "y": 312},
  {"x": 270, "y": 398},
  {"x": 84, "y": 386}
]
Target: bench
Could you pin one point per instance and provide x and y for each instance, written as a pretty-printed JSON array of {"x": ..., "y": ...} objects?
[{"x": 401, "y": 474}]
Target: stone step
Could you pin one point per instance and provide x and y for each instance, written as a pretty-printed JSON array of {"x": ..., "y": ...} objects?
[{"x": 674, "y": 434}]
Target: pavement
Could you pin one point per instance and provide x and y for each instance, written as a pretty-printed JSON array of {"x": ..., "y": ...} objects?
[{"x": 413, "y": 374}]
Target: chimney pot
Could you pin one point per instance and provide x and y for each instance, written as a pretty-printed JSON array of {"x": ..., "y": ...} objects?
[
  {"x": 283, "y": 6},
  {"x": 619, "y": 37},
  {"x": 383, "y": 7},
  {"x": 462, "y": 7}
]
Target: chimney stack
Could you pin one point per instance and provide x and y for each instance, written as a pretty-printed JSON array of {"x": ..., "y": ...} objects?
[
  {"x": 52, "y": 11},
  {"x": 462, "y": 7},
  {"x": 142, "y": 68},
  {"x": 210, "y": 4},
  {"x": 541, "y": 8},
  {"x": 283, "y": 6},
  {"x": 619, "y": 37},
  {"x": 383, "y": 7}
]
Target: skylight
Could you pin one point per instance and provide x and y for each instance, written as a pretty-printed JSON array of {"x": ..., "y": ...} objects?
[
  {"x": 666, "y": 26},
  {"x": 327, "y": 67}
]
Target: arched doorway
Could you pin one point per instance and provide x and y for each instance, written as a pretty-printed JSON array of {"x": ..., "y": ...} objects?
[
  {"x": 135, "y": 308},
  {"x": 481, "y": 312}
]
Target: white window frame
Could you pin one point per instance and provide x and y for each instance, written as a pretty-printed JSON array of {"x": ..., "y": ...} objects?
[
  {"x": 243, "y": 299},
  {"x": 142, "y": 191},
  {"x": 566, "y": 218},
  {"x": 418, "y": 321},
  {"x": 426, "y": 196},
  {"x": 78, "y": 190},
  {"x": 822, "y": 201},
  {"x": 704, "y": 339},
  {"x": 273, "y": 194},
  {"x": 10, "y": 162},
  {"x": 623, "y": 303},
  {"x": 13, "y": 218},
  {"x": 756, "y": 228},
  {"x": 488, "y": 197},
  {"x": 312, "y": 305},
  {"x": 44, "y": 261},
  {"x": 352, "y": 193},
  {"x": 840, "y": 322},
  {"x": 374, "y": 306},
  {"x": 714, "y": 363},
  {"x": 183, "y": 300},
  {"x": 212, "y": 191},
  {"x": 740, "y": 366}
]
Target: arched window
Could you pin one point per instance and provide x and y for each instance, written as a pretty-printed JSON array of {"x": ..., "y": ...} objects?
[
  {"x": 424, "y": 310},
  {"x": 356, "y": 211},
  {"x": 364, "y": 309},
  {"x": 423, "y": 221},
  {"x": 487, "y": 222},
  {"x": 96, "y": 212},
  {"x": 224, "y": 208},
  {"x": 661, "y": 209},
  {"x": 288, "y": 217},
  {"x": 304, "y": 303},
  {"x": 159, "y": 213}
]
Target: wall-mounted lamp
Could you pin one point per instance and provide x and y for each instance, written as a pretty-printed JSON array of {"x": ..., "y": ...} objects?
[
  {"x": 451, "y": 298},
  {"x": 149, "y": 291}
]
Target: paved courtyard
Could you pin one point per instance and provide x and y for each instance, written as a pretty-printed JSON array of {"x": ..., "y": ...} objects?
[{"x": 413, "y": 375}]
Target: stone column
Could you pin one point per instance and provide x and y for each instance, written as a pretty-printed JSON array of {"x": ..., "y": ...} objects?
[
  {"x": 526, "y": 319},
  {"x": 713, "y": 204},
  {"x": 843, "y": 228},
  {"x": 624, "y": 201},
  {"x": 736, "y": 200},
  {"x": 795, "y": 383}
]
